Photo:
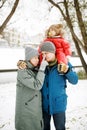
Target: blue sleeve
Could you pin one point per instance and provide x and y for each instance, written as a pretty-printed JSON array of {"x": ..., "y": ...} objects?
[{"x": 71, "y": 75}]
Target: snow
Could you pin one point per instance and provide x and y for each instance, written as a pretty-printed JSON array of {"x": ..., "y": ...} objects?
[
  {"x": 7, "y": 105},
  {"x": 10, "y": 56},
  {"x": 76, "y": 110}
]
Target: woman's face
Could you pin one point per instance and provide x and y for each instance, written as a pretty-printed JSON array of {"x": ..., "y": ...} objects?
[{"x": 34, "y": 61}]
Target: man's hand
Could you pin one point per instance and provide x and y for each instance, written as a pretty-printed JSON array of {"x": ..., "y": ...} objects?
[
  {"x": 63, "y": 68},
  {"x": 21, "y": 64}
]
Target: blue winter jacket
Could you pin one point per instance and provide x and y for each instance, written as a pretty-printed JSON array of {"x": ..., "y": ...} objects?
[{"x": 54, "y": 89}]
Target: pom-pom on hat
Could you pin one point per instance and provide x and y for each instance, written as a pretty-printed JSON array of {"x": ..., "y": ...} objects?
[
  {"x": 30, "y": 53},
  {"x": 48, "y": 47}
]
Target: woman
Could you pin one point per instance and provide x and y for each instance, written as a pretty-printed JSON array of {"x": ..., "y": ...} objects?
[{"x": 28, "y": 114}]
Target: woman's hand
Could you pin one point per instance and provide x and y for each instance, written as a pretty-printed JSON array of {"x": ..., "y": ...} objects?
[
  {"x": 21, "y": 64},
  {"x": 44, "y": 63},
  {"x": 44, "y": 57}
]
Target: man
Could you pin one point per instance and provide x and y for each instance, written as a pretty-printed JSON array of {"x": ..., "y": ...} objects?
[{"x": 54, "y": 97}]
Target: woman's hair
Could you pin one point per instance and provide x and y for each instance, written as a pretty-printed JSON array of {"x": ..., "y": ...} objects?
[{"x": 58, "y": 28}]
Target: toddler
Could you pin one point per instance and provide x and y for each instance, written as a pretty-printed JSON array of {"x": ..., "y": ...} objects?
[{"x": 55, "y": 35}]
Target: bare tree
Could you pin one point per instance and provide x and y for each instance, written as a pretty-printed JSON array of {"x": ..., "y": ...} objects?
[
  {"x": 81, "y": 24},
  {"x": 64, "y": 9},
  {"x": 2, "y": 2},
  {"x": 2, "y": 27}
]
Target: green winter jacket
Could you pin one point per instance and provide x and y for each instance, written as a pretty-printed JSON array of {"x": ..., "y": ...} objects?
[{"x": 28, "y": 114}]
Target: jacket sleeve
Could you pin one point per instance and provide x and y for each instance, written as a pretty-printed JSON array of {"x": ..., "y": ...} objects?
[
  {"x": 28, "y": 80},
  {"x": 71, "y": 75}
]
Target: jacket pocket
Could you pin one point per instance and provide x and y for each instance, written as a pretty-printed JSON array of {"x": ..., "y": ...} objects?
[
  {"x": 60, "y": 103},
  {"x": 33, "y": 105},
  {"x": 26, "y": 103}
]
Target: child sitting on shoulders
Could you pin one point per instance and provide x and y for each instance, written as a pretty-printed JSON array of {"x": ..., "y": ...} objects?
[{"x": 55, "y": 35}]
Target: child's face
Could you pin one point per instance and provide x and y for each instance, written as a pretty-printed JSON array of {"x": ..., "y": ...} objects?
[
  {"x": 52, "y": 33},
  {"x": 34, "y": 61}
]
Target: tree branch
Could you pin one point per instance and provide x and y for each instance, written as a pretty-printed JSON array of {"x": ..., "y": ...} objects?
[{"x": 9, "y": 16}]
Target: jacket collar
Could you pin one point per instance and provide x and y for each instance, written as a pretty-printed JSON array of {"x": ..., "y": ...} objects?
[
  {"x": 30, "y": 66},
  {"x": 53, "y": 63}
]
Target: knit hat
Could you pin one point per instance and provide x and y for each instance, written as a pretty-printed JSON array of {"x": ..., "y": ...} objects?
[
  {"x": 30, "y": 53},
  {"x": 48, "y": 47}
]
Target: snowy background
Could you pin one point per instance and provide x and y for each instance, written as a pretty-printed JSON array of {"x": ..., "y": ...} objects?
[
  {"x": 33, "y": 18},
  {"x": 77, "y": 94},
  {"x": 14, "y": 54},
  {"x": 9, "y": 58}
]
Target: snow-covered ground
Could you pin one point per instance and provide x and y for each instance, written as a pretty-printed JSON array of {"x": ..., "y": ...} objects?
[{"x": 76, "y": 110}]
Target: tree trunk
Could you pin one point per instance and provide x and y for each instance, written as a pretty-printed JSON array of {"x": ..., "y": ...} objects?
[
  {"x": 79, "y": 50},
  {"x": 81, "y": 24}
]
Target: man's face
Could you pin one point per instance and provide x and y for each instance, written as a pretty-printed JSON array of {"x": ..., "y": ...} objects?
[{"x": 49, "y": 56}]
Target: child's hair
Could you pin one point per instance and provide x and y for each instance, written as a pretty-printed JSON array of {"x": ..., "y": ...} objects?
[{"x": 58, "y": 28}]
